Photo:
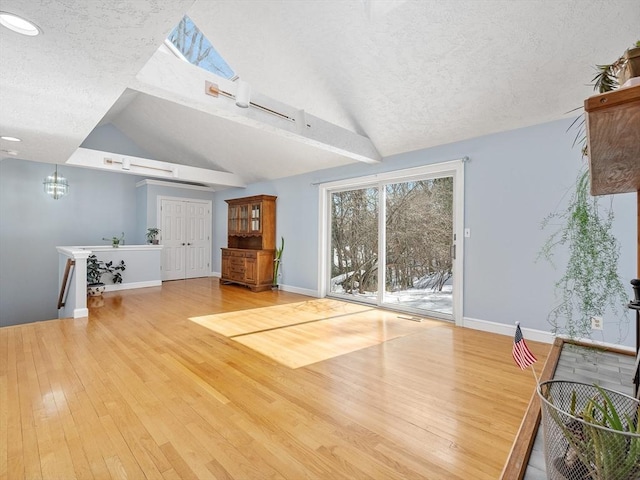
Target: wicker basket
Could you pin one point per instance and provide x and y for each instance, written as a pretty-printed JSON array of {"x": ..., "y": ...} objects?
[{"x": 579, "y": 450}]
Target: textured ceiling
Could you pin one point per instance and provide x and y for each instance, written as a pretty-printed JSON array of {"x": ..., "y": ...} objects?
[
  {"x": 406, "y": 74},
  {"x": 55, "y": 88}
]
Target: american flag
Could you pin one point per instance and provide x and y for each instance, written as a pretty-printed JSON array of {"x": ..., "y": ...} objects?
[{"x": 521, "y": 353}]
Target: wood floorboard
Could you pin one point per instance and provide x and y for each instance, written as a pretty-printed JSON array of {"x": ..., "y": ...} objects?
[{"x": 138, "y": 390}]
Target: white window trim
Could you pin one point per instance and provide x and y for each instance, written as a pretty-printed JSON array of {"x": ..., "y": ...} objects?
[{"x": 453, "y": 168}]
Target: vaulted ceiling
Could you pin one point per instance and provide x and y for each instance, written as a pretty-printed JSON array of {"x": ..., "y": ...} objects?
[{"x": 356, "y": 80}]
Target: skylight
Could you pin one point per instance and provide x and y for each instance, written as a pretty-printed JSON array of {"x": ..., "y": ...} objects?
[{"x": 189, "y": 43}]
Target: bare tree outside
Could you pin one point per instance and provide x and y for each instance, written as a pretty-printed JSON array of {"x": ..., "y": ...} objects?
[
  {"x": 187, "y": 38},
  {"x": 354, "y": 239},
  {"x": 419, "y": 236}
]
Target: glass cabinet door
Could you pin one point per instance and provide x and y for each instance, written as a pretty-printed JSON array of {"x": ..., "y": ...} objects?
[
  {"x": 244, "y": 218},
  {"x": 256, "y": 217},
  {"x": 233, "y": 218}
]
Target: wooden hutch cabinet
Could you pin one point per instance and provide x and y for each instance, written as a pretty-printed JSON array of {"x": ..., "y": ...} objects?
[{"x": 251, "y": 242}]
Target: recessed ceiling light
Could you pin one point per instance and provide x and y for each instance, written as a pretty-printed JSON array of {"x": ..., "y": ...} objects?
[
  {"x": 10, "y": 139},
  {"x": 18, "y": 24},
  {"x": 10, "y": 152}
]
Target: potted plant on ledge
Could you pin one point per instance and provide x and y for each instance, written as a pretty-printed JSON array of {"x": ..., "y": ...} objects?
[
  {"x": 152, "y": 235},
  {"x": 115, "y": 241},
  {"x": 96, "y": 268}
]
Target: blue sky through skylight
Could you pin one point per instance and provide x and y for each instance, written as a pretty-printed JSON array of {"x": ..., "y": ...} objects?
[{"x": 197, "y": 49}]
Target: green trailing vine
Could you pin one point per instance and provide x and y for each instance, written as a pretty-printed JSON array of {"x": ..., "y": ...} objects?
[{"x": 590, "y": 284}]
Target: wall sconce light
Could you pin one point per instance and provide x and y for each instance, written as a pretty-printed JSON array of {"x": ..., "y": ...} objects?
[
  {"x": 56, "y": 185},
  {"x": 243, "y": 94}
]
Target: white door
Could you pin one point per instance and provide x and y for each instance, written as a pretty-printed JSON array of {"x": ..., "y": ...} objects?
[
  {"x": 198, "y": 244},
  {"x": 185, "y": 233},
  {"x": 172, "y": 230}
]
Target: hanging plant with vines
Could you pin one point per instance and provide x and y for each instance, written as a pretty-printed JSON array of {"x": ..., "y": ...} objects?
[{"x": 590, "y": 284}]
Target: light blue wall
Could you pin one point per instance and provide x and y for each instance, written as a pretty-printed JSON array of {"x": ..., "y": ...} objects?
[
  {"x": 109, "y": 139},
  {"x": 513, "y": 180},
  {"x": 32, "y": 224},
  {"x": 141, "y": 213}
]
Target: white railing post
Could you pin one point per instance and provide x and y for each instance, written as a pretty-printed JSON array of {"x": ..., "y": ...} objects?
[{"x": 75, "y": 304}]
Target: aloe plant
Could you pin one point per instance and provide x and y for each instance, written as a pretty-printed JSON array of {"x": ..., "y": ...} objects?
[{"x": 595, "y": 439}]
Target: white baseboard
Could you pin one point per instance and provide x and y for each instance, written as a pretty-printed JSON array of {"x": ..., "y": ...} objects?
[
  {"x": 533, "y": 334},
  {"x": 129, "y": 286},
  {"x": 285, "y": 288},
  {"x": 301, "y": 291},
  {"x": 510, "y": 330},
  {"x": 80, "y": 312}
]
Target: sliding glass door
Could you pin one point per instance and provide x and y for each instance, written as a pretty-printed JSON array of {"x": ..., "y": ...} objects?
[
  {"x": 354, "y": 244},
  {"x": 418, "y": 263},
  {"x": 393, "y": 242}
]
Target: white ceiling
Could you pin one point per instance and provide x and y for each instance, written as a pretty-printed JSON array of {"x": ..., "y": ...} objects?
[{"x": 406, "y": 74}]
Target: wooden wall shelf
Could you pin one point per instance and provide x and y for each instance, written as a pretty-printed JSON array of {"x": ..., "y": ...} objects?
[{"x": 613, "y": 138}]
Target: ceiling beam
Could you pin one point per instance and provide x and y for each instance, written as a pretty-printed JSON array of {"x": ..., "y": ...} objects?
[
  {"x": 116, "y": 162},
  {"x": 170, "y": 78}
]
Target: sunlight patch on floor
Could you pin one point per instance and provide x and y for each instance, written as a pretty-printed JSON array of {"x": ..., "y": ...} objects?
[
  {"x": 242, "y": 322},
  {"x": 303, "y": 333}
]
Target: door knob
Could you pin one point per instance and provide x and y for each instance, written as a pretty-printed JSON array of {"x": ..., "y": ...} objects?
[{"x": 183, "y": 244}]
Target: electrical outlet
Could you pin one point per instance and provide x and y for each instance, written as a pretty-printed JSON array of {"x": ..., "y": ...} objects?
[{"x": 596, "y": 323}]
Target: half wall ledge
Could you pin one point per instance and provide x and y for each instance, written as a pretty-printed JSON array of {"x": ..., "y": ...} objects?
[{"x": 143, "y": 270}]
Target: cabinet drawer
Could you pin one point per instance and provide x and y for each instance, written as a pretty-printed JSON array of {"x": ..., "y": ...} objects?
[
  {"x": 236, "y": 275},
  {"x": 234, "y": 261}
]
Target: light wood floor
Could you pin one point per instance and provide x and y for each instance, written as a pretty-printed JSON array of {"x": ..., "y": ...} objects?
[{"x": 141, "y": 391}]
